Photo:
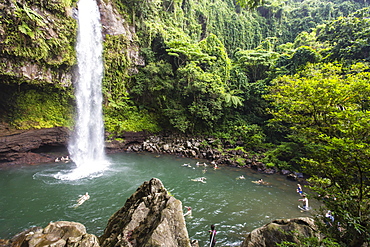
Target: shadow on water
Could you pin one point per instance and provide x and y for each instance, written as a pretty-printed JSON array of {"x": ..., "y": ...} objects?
[{"x": 34, "y": 196}]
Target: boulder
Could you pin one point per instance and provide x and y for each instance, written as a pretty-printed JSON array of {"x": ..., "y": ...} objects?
[
  {"x": 150, "y": 217},
  {"x": 60, "y": 233},
  {"x": 281, "y": 230}
]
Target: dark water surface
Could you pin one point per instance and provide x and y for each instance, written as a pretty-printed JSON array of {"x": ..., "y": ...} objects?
[{"x": 35, "y": 195}]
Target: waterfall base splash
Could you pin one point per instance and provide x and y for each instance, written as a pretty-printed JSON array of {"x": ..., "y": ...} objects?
[{"x": 91, "y": 169}]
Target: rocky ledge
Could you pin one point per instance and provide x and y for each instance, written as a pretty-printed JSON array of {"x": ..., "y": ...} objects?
[
  {"x": 30, "y": 146},
  {"x": 151, "y": 217}
]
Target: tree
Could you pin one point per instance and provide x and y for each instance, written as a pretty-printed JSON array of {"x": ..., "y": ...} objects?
[
  {"x": 328, "y": 106},
  {"x": 348, "y": 38},
  {"x": 255, "y": 63}
]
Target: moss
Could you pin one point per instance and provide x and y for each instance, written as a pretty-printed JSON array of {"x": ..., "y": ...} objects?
[
  {"x": 116, "y": 65},
  {"x": 41, "y": 106}
]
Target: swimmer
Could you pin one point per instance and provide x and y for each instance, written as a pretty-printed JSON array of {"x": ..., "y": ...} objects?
[
  {"x": 240, "y": 177},
  {"x": 261, "y": 182},
  {"x": 82, "y": 199},
  {"x": 188, "y": 213},
  {"x": 201, "y": 179},
  {"x": 186, "y": 165},
  {"x": 66, "y": 159},
  {"x": 212, "y": 236}
]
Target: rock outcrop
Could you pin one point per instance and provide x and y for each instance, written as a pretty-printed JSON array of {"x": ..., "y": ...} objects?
[
  {"x": 291, "y": 230},
  {"x": 150, "y": 217},
  {"x": 61, "y": 233},
  {"x": 23, "y": 147},
  {"x": 114, "y": 24}
]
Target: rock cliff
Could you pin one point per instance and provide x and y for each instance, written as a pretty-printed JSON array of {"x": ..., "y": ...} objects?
[
  {"x": 23, "y": 147},
  {"x": 150, "y": 217}
]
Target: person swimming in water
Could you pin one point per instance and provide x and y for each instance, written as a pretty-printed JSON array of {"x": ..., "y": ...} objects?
[
  {"x": 201, "y": 179},
  {"x": 188, "y": 213},
  {"x": 212, "y": 236},
  {"x": 82, "y": 199}
]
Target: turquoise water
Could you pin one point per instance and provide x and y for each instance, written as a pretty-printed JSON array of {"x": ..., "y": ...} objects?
[{"x": 34, "y": 196}]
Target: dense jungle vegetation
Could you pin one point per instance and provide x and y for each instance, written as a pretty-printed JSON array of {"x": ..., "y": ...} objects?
[{"x": 286, "y": 78}]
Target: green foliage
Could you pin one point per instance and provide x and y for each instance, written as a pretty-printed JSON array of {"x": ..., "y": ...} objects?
[
  {"x": 189, "y": 79},
  {"x": 348, "y": 38},
  {"x": 251, "y": 4},
  {"x": 120, "y": 112},
  {"x": 310, "y": 241},
  {"x": 299, "y": 58},
  {"x": 287, "y": 19},
  {"x": 255, "y": 63},
  {"x": 116, "y": 66},
  {"x": 286, "y": 155},
  {"x": 43, "y": 37},
  {"x": 124, "y": 119},
  {"x": 153, "y": 84},
  {"x": 42, "y": 107},
  {"x": 251, "y": 135},
  {"x": 192, "y": 90},
  {"x": 325, "y": 105},
  {"x": 202, "y": 95}
]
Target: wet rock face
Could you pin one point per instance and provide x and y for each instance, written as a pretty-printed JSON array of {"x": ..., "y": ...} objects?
[
  {"x": 281, "y": 230},
  {"x": 114, "y": 24},
  {"x": 150, "y": 217},
  {"x": 22, "y": 147},
  {"x": 60, "y": 233}
]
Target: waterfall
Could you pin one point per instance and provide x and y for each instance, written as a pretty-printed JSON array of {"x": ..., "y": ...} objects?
[{"x": 86, "y": 146}]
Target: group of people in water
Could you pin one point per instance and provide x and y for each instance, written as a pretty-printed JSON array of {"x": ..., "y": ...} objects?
[
  {"x": 63, "y": 159},
  {"x": 303, "y": 198}
]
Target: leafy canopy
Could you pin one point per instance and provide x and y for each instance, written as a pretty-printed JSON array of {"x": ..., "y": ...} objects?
[{"x": 327, "y": 105}]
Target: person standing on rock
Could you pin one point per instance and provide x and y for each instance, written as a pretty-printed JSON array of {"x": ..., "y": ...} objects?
[{"x": 212, "y": 236}]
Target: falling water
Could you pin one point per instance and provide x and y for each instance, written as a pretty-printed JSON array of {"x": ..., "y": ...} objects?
[{"x": 87, "y": 143}]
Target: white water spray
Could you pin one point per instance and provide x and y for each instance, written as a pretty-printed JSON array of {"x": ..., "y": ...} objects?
[{"x": 86, "y": 147}]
